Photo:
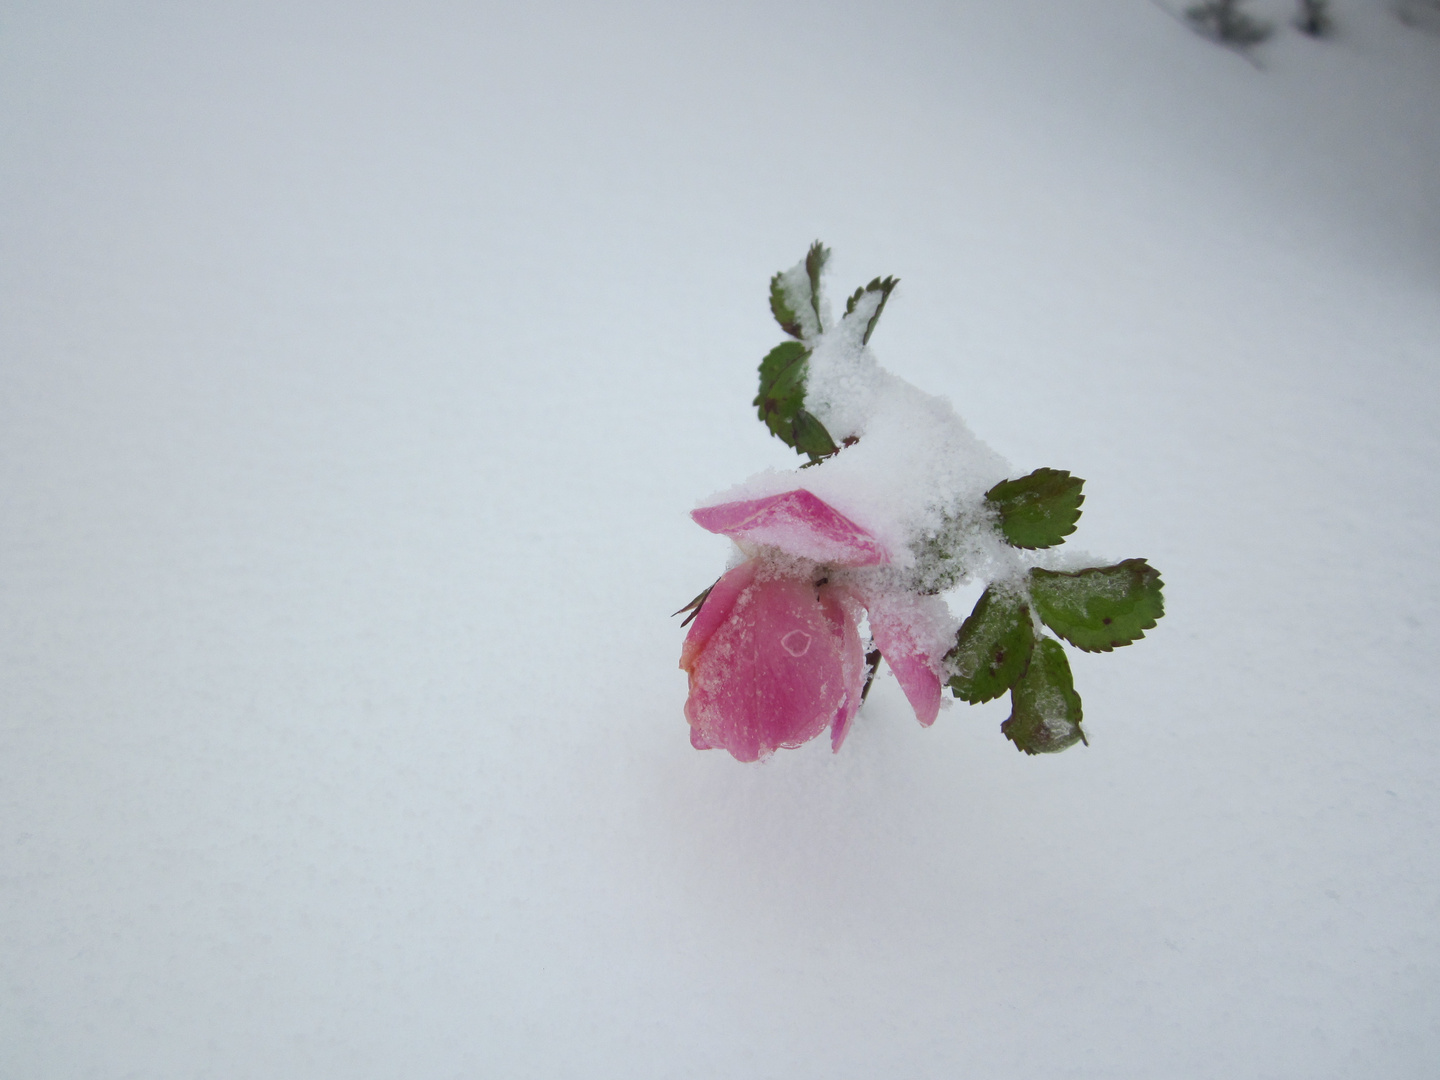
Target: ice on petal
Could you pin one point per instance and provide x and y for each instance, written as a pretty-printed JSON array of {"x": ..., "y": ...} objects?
[
  {"x": 844, "y": 611},
  {"x": 715, "y": 610},
  {"x": 797, "y": 522},
  {"x": 914, "y": 633},
  {"x": 750, "y": 694}
]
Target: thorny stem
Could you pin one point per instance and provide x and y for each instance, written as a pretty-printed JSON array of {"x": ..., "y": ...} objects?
[
  {"x": 695, "y": 605},
  {"x": 851, "y": 441},
  {"x": 872, "y": 664}
]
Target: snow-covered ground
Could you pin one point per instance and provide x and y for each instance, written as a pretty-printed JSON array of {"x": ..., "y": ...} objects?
[{"x": 358, "y": 367}]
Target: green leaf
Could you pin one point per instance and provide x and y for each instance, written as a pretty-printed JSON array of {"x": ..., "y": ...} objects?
[
  {"x": 1038, "y": 510},
  {"x": 782, "y": 385},
  {"x": 780, "y": 402},
  {"x": 810, "y": 437},
  {"x": 884, "y": 288},
  {"x": 1044, "y": 707},
  {"x": 781, "y": 309},
  {"x": 815, "y": 261},
  {"x": 992, "y": 648},
  {"x": 1101, "y": 608},
  {"x": 795, "y": 295}
]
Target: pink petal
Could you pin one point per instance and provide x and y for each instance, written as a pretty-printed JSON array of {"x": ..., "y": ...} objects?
[
  {"x": 911, "y": 633},
  {"x": 844, "y": 610},
  {"x": 773, "y": 673},
  {"x": 715, "y": 610},
  {"x": 798, "y": 523}
]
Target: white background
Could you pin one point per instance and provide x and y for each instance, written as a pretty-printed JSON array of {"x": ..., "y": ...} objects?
[{"x": 358, "y": 367}]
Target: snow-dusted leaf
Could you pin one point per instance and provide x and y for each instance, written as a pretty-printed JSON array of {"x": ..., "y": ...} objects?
[
  {"x": 883, "y": 288},
  {"x": 780, "y": 402},
  {"x": 1038, "y": 510},
  {"x": 782, "y": 386},
  {"x": 815, "y": 261},
  {"x": 992, "y": 648},
  {"x": 1044, "y": 707},
  {"x": 1100, "y": 608},
  {"x": 795, "y": 295},
  {"x": 782, "y": 310},
  {"x": 810, "y": 437}
]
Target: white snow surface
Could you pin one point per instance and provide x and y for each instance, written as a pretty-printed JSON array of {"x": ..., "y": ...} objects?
[{"x": 358, "y": 367}]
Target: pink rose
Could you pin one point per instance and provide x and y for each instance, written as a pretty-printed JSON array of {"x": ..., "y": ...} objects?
[{"x": 774, "y": 655}]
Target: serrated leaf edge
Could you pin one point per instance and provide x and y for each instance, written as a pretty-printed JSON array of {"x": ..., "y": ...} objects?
[
  {"x": 1027, "y": 613},
  {"x": 1079, "y": 704},
  {"x": 1159, "y": 582},
  {"x": 780, "y": 307},
  {"x": 815, "y": 260},
  {"x": 1001, "y": 516},
  {"x": 884, "y": 286}
]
